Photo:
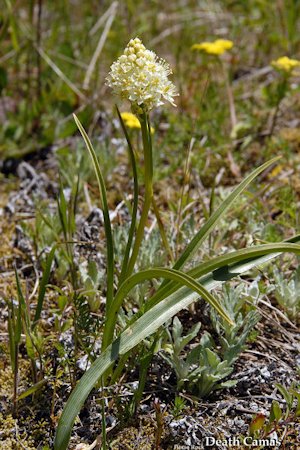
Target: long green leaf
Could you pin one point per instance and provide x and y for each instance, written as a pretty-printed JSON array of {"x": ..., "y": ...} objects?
[
  {"x": 135, "y": 200},
  {"x": 21, "y": 310},
  {"x": 56, "y": 235},
  {"x": 13, "y": 26},
  {"x": 62, "y": 211},
  {"x": 43, "y": 285},
  {"x": 107, "y": 224},
  {"x": 32, "y": 389},
  {"x": 23, "y": 313},
  {"x": 146, "y": 325},
  {"x": 142, "y": 328},
  {"x": 158, "y": 272},
  {"x": 223, "y": 268},
  {"x": 207, "y": 228},
  {"x": 218, "y": 214}
]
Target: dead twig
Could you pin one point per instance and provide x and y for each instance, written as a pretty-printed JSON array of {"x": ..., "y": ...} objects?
[
  {"x": 59, "y": 73},
  {"x": 101, "y": 42}
]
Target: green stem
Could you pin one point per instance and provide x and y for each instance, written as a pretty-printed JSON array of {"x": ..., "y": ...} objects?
[
  {"x": 281, "y": 93},
  {"x": 148, "y": 176},
  {"x": 16, "y": 377},
  {"x": 274, "y": 118},
  {"x": 119, "y": 369},
  {"x": 145, "y": 361},
  {"x": 104, "y": 441},
  {"x": 135, "y": 201}
]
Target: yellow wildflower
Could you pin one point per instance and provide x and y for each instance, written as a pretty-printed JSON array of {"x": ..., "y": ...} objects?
[
  {"x": 275, "y": 171},
  {"x": 131, "y": 121},
  {"x": 218, "y": 47},
  {"x": 285, "y": 64}
]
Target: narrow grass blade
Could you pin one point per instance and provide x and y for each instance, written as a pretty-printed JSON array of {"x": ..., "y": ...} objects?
[
  {"x": 135, "y": 199},
  {"x": 62, "y": 211},
  {"x": 185, "y": 184},
  {"x": 21, "y": 309},
  {"x": 43, "y": 285},
  {"x": 162, "y": 230},
  {"x": 13, "y": 25},
  {"x": 72, "y": 208},
  {"x": 107, "y": 224},
  {"x": 49, "y": 224},
  {"x": 218, "y": 214},
  {"x": 60, "y": 73},
  {"x": 32, "y": 389},
  {"x": 103, "y": 420},
  {"x": 24, "y": 313},
  {"x": 55, "y": 234},
  {"x": 101, "y": 42}
]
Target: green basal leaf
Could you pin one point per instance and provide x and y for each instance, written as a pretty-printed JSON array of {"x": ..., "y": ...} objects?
[
  {"x": 107, "y": 224},
  {"x": 43, "y": 285},
  {"x": 297, "y": 395},
  {"x": 170, "y": 299},
  {"x": 62, "y": 211},
  {"x": 203, "y": 233},
  {"x": 29, "y": 344},
  {"x": 230, "y": 265},
  {"x": 143, "y": 327},
  {"x": 286, "y": 395},
  {"x": 226, "y": 384},
  {"x": 170, "y": 274},
  {"x": 275, "y": 413}
]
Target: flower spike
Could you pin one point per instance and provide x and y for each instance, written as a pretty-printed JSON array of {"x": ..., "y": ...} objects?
[{"x": 142, "y": 78}]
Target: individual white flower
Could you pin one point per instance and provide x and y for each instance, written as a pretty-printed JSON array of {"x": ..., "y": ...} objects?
[{"x": 141, "y": 77}]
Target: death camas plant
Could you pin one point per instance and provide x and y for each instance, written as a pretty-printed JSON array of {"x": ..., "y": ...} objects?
[{"x": 140, "y": 77}]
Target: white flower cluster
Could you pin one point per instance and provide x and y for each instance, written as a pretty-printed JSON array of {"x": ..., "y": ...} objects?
[{"x": 141, "y": 77}]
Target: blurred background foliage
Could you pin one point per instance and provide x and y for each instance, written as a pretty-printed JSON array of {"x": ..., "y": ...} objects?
[{"x": 54, "y": 57}]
